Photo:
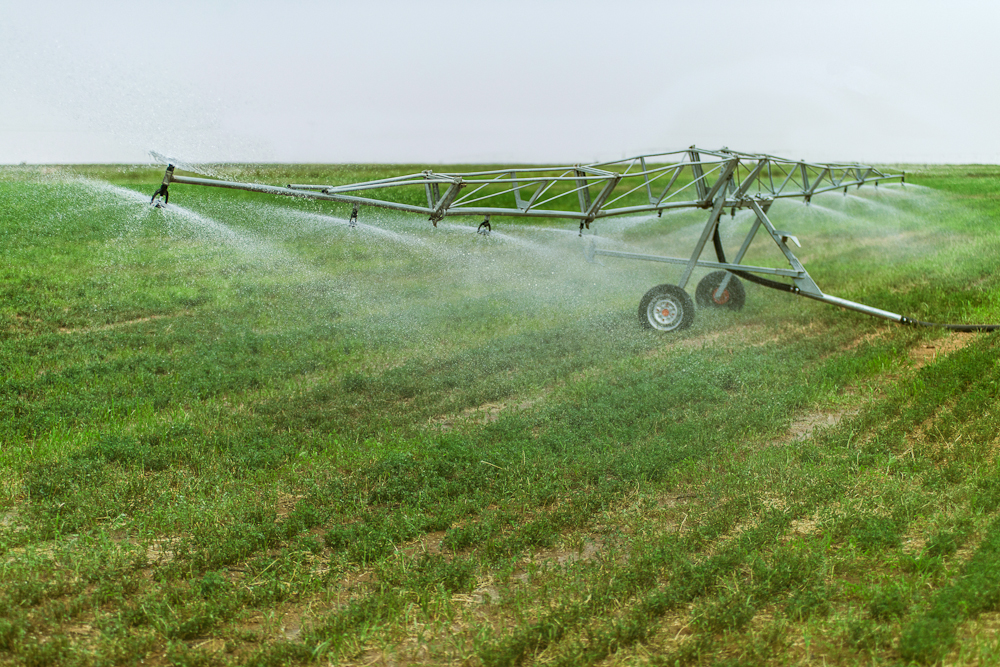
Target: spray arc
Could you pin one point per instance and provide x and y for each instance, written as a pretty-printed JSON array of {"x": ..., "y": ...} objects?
[{"x": 715, "y": 181}]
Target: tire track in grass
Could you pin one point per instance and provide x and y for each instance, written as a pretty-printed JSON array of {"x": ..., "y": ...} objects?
[
  {"x": 689, "y": 582},
  {"x": 642, "y": 573},
  {"x": 927, "y": 639}
]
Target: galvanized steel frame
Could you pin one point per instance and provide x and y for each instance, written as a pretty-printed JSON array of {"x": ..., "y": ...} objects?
[
  {"x": 692, "y": 178},
  {"x": 744, "y": 175}
]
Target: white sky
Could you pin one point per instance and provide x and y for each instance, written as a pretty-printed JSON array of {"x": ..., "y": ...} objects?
[{"x": 516, "y": 81}]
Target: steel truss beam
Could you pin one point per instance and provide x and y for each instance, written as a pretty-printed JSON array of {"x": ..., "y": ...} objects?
[
  {"x": 689, "y": 179},
  {"x": 692, "y": 178}
]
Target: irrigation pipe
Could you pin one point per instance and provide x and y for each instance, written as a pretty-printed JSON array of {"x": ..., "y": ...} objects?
[{"x": 843, "y": 303}]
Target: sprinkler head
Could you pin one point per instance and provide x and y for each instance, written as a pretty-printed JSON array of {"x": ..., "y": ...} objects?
[{"x": 162, "y": 196}]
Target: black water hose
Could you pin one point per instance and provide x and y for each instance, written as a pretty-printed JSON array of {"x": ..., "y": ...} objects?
[
  {"x": 953, "y": 327},
  {"x": 785, "y": 287},
  {"x": 766, "y": 282}
]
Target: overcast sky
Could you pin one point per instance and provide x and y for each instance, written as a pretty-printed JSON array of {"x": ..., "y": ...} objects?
[{"x": 545, "y": 81}]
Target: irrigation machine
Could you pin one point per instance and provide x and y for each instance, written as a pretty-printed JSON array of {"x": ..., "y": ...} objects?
[{"x": 715, "y": 181}]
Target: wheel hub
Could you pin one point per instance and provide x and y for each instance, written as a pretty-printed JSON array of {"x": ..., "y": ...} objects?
[{"x": 665, "y": 313}]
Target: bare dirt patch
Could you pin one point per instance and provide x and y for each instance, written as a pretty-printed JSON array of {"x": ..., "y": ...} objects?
[
  {"x": 162, "y": 551},
  {"x": 977, "y": 641},
  {"x": 915, "y": 538},
  {"x": 803, "y": 427},
  {"x": 751, "y": 335},
  {"x": 921, "y": 437},
  {"x": 589, "y": 550},
  {"x": 669, "y": 635},
  {"x": 487, "y": 413},
  {"x": 485, "y": 592},
  {"x": 429, "y": 543},
  {"x": 926, "y": 353},
  {"x": 803, "y": 527},
  {"x": 81, "y": 630},
  {"x": 696, "y": 342},
  {"x": 878, "y": 334},
  {"x": 286, "y": 505},
  {"x": 115, "y": 325},
  {"x": 9, "y": 519},
  {"x": 675, "y": 499}
]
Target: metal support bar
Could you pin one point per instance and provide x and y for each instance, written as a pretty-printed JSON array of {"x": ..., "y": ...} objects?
[
  {"x": 702, "y": 264},
  {"x": 542, "y": 187},
  {"x": 602, "y": 196},
  {"x": 645, "y": 177},
  {"x": 723, "y": 181},
  {"x": 301, "y": 194},
  {"x": 713, "y": 220},
  {"x": 697, "y": 172},
  {"x": 804, "y": 282},
  {"x": 746, "y": 242},
  {"x": 670, "y": 184},
  {"x": 446, "y": 200},
  {"x": 518, "y": 201},
  {"x": 811, "y": 191},
  {"x": 583, "y": 191},
  {"x": 754, "y": 174},
  {"x": 859, "y": 307},
  {"x": 433, "y": 194}
]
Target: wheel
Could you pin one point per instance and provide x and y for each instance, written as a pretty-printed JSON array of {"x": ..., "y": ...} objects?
[
  {"x": 732, "y": 297},
  {"x": 667, "y": 308}
]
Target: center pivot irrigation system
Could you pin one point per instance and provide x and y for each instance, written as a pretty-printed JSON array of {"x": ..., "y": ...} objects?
[{"x": 715, "y": 181}]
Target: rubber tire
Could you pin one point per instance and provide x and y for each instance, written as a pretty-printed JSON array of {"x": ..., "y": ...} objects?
[
  {"x": 670, "y": 299},
  {"x": 733, "y": 297}
]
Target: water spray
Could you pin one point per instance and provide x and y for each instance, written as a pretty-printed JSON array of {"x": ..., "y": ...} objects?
[{"x": 693, "y": 178}]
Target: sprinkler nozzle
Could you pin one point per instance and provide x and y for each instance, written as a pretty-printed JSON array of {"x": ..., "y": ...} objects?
[{"x": 162, "y": 196}]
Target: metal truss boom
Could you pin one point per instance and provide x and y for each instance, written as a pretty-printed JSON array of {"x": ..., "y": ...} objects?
[
  {"x": 656, "y": 182},
  {"x": 692, "y": 178}
]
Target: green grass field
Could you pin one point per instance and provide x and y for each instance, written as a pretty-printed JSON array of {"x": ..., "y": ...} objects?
[{"x": 235, "y": 431}]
